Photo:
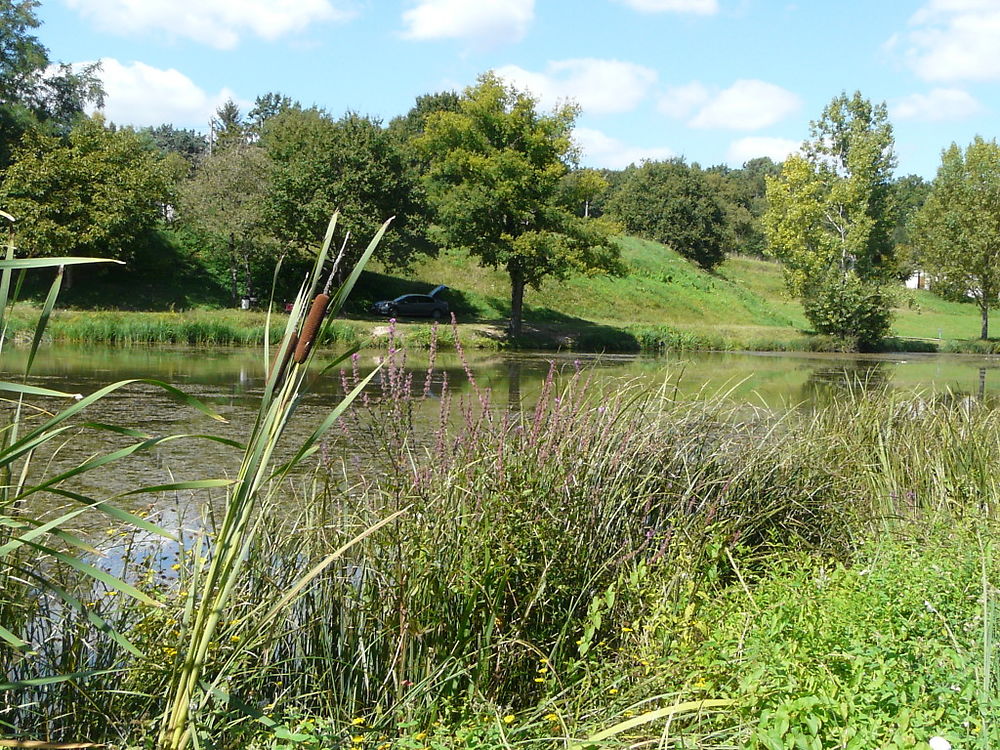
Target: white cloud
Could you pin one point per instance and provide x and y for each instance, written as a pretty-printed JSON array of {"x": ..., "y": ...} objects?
[
  {"x": 681, "y": 101},
  {"x": 745, "y": 149},
  {"x": 747, "y": 105},
  {"x": 952, "y": 40},
  {"x": 603, "y": 151},
  {"x": 487, "y": 22},
  {"x": 139, "y": 94},
  {"x": 218, "y": 23},
  {"x": 936, "y": 106},
  {"x": 598, "y": 86},
  {"x": 700, "y": 7}
]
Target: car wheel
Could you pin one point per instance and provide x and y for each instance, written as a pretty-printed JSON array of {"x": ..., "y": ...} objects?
[
  {"x": 392, "y": 311},
  {"x": 436, "y": 314}
]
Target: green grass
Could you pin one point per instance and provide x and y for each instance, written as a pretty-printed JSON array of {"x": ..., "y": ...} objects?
[{"x": 663, "y": 301}]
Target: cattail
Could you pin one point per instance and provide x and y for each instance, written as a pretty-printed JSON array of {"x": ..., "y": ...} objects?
[
  {"x": 311, "y": 327},
  {"x": 281, "y": 358}
]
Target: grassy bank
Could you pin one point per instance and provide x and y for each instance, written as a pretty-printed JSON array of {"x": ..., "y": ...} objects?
[
  {"x": 619, "y": 565},
  {"x": 663, "y": 302}
]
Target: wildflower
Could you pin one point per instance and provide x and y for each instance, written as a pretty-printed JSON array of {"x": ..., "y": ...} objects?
[
  {"x": 552, "y": 717},
  {"x": 613, "y": 691},
  {"x": 175, "y": 566},
  {"x": 357, "y": 739},
  {"x": 939, "y": 743},
  {"x": 235, "y": 638},
  {"x": 357, "y": 721},
  {"x": 539, "y": 679},
  {"x": 508, "y": 719},
  {"x": 420, "y": 736},
  {"x": 111, "y": 593}
]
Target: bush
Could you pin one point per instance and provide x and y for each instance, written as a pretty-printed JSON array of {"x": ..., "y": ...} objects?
[{"x": 854, "y": 311}]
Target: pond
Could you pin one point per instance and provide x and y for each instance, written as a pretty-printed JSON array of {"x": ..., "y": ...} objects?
[{"x": 231, "y": 381}]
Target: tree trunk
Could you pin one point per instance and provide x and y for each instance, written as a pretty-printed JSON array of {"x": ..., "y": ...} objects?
[
  {"x": 516, "y": 299},
  {"x": 232, "y": 269},
  {"x": 985, "y": 309}
]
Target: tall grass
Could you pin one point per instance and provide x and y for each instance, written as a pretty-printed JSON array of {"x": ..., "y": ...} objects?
[
  {"x": 555, "y": 571},
  {"x": 194, "y": 328}
]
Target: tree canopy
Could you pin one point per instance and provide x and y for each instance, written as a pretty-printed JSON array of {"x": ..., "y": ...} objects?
[
  {"x": 494, "y": 178},
  {"x": 674, "y": 203},
  {"x": 351, "y": 165},
  {"x": 957, "y": 230},
  {"x": 97, "y": 194},
  {"x": 831, "y": 216}
]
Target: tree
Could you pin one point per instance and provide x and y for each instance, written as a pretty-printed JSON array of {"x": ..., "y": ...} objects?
[
  {"x": 580, "y": 188},
  {"x": 95, "y": 194},
  {"x": 831, "y": 216},
  {"x": 226, "y": 203},
  {"x": 351, "y": 165},
  {"x": 170, "y": 140},
  {"x": 495, "y": 171},
  {"x": 673, "y": 203},
  {"x": 957, "y": 230},
  {"x": 34, "y": 94},
  {"x": 910, "y": 193},
  {"x": 227, "y": 127}
]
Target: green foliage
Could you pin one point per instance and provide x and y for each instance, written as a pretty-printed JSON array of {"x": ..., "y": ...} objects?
[
  {"x": 844, "y": 305},
  {"x": 675, "y": 204},
  {"x": 494, "y": 180},
  {"x": 351, "y": 165},
  {"x": 98, "y": 193},
  {"x": 34, "y": 96},
  {"x": 885, "y": 653},
  {"x": 225, "y": 203},
  {"x": 831, "y": 212},
  {"x": 957, "y": 231}
]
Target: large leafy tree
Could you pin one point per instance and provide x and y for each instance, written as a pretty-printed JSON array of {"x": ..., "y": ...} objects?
[
  {"x": 351, "y": 165},
  {"x": 95, "y": 193},
  {"x": 33, "y": 93},
  {"x": 831, "y": 218},
  {"x": 496, "y": 167},
  {"x": 676, "y": 204},
  {"x": 956, "y": 232},
  {"x": 226, "y": 203}
]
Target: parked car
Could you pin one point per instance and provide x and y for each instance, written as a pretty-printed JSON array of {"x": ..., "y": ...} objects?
[{"x": 414, "y": 305}]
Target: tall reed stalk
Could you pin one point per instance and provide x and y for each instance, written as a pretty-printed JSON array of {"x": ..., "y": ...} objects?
[{"x": 255, "y": 484}]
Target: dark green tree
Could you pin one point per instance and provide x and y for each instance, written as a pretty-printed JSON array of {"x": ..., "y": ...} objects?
[
  {"x": 31, "y": 95},
  {"x": 170, "y": 140},
  {"x": 351, "y": 165},
  {"x": 95, "y": 193},
  {"x": 496, "y": 166},
  {"x": 227, "y": 127},
  {"x": 676, "y": 204}
]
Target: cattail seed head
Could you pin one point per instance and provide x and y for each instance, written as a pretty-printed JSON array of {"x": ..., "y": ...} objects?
[{"x": 311, "y": 327}]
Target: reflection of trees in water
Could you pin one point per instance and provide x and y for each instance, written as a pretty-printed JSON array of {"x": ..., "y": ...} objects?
[{"x": 830, "y": 382}]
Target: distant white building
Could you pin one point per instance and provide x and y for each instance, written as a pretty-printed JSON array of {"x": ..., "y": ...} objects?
[{"x": 919, "y": 280}]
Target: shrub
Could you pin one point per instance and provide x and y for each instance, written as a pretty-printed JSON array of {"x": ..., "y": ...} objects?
[{"x": 855, "y": 311}]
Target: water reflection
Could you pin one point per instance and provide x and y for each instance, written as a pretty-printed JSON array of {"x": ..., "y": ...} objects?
[{"x": 231, "y": 380}]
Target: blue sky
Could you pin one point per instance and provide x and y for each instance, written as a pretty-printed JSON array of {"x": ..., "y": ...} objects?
[{"x": 715, "y": 81}]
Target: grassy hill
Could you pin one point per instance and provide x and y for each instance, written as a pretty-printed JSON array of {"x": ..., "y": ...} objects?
[
  {"x": 663, "y": 297},
  {"x": 662, "y": 302}
]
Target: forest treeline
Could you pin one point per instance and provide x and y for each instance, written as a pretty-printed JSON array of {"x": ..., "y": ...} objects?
[{"x": 484, "y": 170}]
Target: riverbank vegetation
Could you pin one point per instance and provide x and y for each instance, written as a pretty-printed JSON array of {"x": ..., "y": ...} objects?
[
  {"x": 206, "y": 221},
  {"x": 612, "y": 564}
]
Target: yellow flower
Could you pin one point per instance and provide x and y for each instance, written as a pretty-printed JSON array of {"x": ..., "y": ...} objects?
[
  {"x": 357, "y": 721},
  {"x": 552, "y": 717},
  {"x": 175, "y": 566},
  {"x": 539, "y": 679},
  {"x": 234, "y": 638},
  {"x": 508, "y": 719},
  {"x": 357, "y": 739},
  {"x": 111, "y": 593},
  {"x": 420, "y": 736},
  {"x": 613, "y": 691}
]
